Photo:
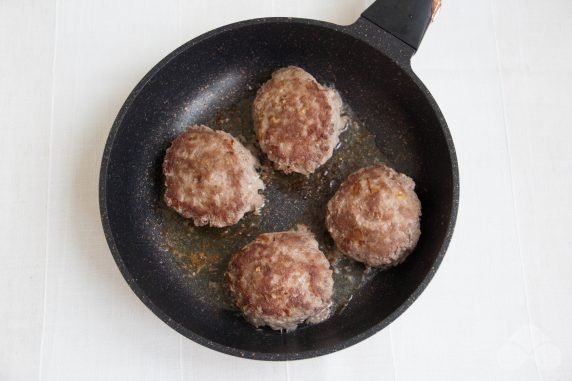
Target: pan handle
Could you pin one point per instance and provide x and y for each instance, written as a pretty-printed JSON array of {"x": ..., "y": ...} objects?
[{"x": 405, "y": 19}]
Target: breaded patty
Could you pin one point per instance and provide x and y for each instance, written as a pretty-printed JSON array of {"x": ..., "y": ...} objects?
[
  {"x": 211, "y": 177},
  {"x": 297, "y": 120},
  {"x": 374, "y": 216},
  {"x": 281, "y": 280}
]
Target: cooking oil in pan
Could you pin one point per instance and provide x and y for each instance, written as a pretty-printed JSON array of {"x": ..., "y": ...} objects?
[{"x": 202, "y": 253}]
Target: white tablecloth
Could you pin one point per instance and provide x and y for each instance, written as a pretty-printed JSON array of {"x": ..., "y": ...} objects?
[{"x": 499, "y": 307}]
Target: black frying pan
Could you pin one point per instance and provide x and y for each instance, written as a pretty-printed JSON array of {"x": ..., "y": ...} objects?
[{"x": 212, "y": 79}]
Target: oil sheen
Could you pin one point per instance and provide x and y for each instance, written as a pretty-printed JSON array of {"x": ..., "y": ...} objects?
[{"x": 202, "y": 253}]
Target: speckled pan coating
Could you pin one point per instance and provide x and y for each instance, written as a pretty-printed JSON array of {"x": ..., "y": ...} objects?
[{"x": 371, "y": 70}]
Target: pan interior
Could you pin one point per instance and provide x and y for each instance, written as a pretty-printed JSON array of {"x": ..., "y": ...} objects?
[{"x": 177, "y": 268}]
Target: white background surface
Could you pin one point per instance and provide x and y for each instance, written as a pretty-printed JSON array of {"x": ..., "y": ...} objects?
[{"x": 500, "y": 307}]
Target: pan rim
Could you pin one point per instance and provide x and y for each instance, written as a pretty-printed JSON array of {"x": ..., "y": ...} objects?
[{"x": 281, "y": 356}]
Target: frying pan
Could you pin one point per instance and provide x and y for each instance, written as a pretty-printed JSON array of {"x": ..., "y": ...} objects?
[{"x": 212, "y": 78}]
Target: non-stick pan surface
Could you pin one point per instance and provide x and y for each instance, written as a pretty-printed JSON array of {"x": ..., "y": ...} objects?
[{"x": 175, "y": 268}]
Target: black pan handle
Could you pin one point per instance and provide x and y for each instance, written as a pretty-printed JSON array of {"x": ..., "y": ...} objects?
[{"x": 405, "y": 19}]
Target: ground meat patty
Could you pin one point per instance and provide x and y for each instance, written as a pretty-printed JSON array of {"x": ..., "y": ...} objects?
[
  {"x": 211, "y": 178},
  {"x": 297, "y": 120},
  {"x": 281, "y": 280},
  {"x": 374, "y": 216}
]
